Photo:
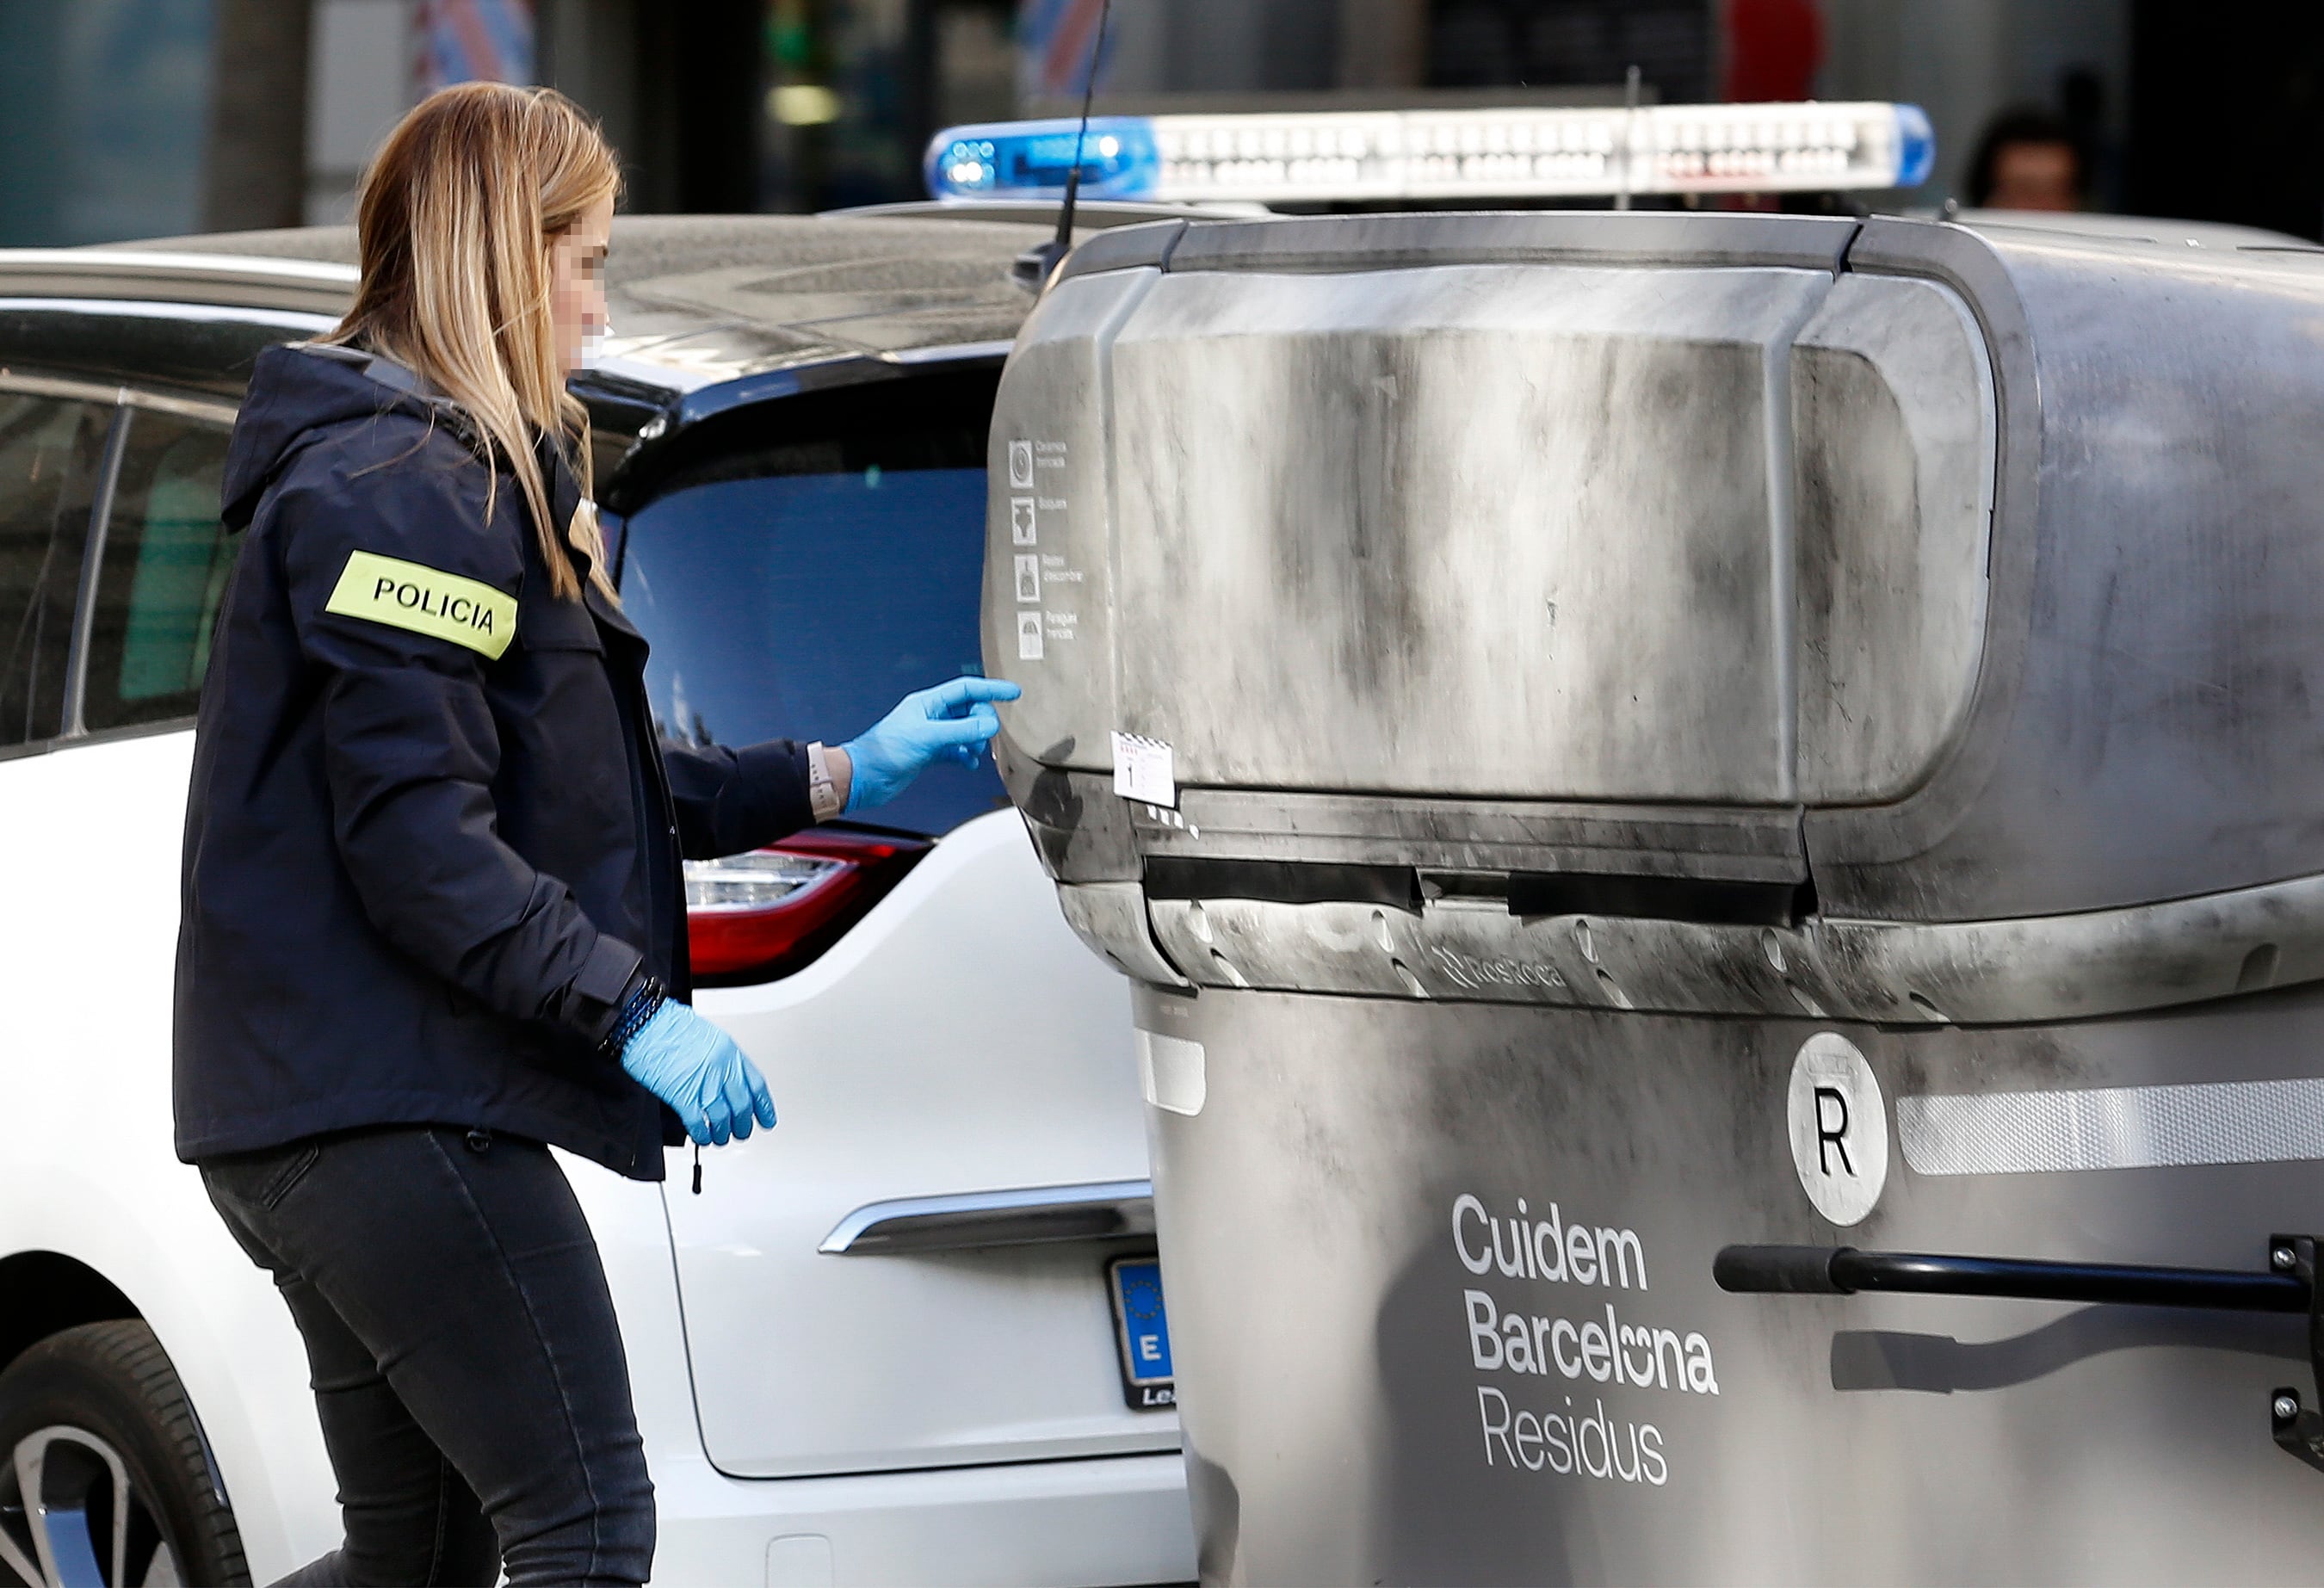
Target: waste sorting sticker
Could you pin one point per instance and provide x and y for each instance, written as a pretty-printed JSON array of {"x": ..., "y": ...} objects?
[
  {"x": 1040, "y": 468},
  {"x": 1572, "y": 1356}
]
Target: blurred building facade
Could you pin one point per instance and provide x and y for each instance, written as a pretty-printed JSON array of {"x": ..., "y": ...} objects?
[{"x": 143, "y": 117}]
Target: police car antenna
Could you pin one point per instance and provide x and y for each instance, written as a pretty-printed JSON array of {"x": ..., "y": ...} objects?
[{"x": 1081, "y": 135}]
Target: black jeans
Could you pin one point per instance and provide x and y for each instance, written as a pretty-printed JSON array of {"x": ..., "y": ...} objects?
[{"x": 466, "y": 1361}]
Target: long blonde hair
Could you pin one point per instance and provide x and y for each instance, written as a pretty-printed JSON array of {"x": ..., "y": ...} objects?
[{"x": 459, "y": 211}]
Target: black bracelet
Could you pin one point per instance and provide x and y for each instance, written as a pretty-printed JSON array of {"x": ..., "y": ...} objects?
[{"x": 640, "y": 1007}]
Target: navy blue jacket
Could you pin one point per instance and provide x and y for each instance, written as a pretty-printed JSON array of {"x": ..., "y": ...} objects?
[{"x": 424, "y": 854}]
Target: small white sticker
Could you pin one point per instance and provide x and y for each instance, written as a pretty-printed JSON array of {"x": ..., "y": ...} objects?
[
  {"x": 1028, "y": 577},
  {"x": 1029, "y": 636},
  {"x": 1142, "y": 771},
  {"x": 1170, "y": 1073},
  {"x": 1020, "y": 465},
  {"x": 1838, "y": 1128},
  {"x": 1021, "y": 528}
]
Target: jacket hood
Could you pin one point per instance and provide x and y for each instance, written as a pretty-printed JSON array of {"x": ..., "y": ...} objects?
[{"x": 294, "y": 392}]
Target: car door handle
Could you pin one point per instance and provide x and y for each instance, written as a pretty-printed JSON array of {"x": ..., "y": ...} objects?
[{"x": 1018, "y": 1216}]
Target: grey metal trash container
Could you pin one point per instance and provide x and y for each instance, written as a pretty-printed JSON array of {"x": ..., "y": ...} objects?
[{"x": 1606, "y": 739}]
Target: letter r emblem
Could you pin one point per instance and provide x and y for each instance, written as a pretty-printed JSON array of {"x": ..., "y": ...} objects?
[{"x": 1838, "y": 1128}]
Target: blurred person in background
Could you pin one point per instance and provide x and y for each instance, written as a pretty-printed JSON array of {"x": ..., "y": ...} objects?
[{"x": 2028, "y": 159}]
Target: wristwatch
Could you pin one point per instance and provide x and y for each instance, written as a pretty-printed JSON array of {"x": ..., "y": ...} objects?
[
  {"x": 822, "y": 795},
  {"x": 641, "y": 1000}
]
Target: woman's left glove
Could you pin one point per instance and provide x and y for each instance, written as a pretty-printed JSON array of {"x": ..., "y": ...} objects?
[
  {"x": 710, "y": 1083},
  {"x": 952, "y": 722}
]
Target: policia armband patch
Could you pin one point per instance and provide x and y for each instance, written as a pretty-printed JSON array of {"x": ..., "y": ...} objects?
[{"x": 426, "y": 601}]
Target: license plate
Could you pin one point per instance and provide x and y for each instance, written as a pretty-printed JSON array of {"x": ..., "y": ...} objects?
[{"x": 1141, "y": 1328}]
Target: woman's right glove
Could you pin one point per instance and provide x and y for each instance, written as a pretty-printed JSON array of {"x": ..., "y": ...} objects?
[{"x": 710, "y": 1083}]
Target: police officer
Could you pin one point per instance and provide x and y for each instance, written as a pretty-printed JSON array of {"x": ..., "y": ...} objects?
[{"x": 433, "y": 916}]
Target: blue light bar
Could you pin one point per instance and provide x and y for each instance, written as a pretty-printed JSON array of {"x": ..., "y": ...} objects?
[
  {"x": 1414, "y": 154},
  {"x": 1018, "y": 157}
]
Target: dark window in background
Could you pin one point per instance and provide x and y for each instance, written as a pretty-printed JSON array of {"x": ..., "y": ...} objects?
[
  {"x": 162, "y": 577},
  {"x": 897, "y": 74},
  {"x": 2227, "y": 112},
  {"x": 49, "y": 454},
  {"x": 797, "y": 586},
  {"x": 1552, "y": 44},
  {"x": 697, "y": 142},
  {"x": 103, "y": 105},
  {"x": 958, "y": 66}
]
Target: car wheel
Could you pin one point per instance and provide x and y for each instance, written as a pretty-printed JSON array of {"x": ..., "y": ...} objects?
[{"x": 104, "y": 1479}]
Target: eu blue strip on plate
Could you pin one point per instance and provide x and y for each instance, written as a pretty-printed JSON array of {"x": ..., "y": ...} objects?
[{"x": 1142, "y": 1331}]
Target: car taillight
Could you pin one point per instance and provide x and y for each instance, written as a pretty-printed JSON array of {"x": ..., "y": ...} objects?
[{"x": 755, "y": 917}]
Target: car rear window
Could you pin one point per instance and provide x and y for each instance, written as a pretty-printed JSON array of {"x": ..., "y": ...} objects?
[{"x": 808, "y": 568}]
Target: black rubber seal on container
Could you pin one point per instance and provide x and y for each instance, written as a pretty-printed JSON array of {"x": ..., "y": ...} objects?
[
  {"x": 1282, "y": 881},
  {"x": 1663, "y": 899}
]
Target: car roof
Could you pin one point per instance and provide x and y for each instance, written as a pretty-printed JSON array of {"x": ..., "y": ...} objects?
[
  {"x": 2092, "y": 227},
  {"x": 701, "y": 300},
  {"x": 696, "y": 301}
]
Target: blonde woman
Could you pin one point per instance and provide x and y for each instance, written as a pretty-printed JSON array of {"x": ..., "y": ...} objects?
[{"x": 434, "y": 919}]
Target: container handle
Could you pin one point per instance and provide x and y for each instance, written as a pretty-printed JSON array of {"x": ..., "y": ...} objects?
[
  {"x": 1843, "y": 1270},
  {"x": 2288, "y": 1285}
]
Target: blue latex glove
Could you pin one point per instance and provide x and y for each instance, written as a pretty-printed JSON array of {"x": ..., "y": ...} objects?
[
  {"x": 951, "y": 722},
  {"x": 710, "y": 1083}
]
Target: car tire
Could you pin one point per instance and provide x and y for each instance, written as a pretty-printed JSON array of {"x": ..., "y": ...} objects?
[{"x": 94, "y": 1421}]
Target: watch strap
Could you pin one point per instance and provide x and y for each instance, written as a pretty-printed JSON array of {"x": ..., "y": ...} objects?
[{"x": 823, "y": 796}]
